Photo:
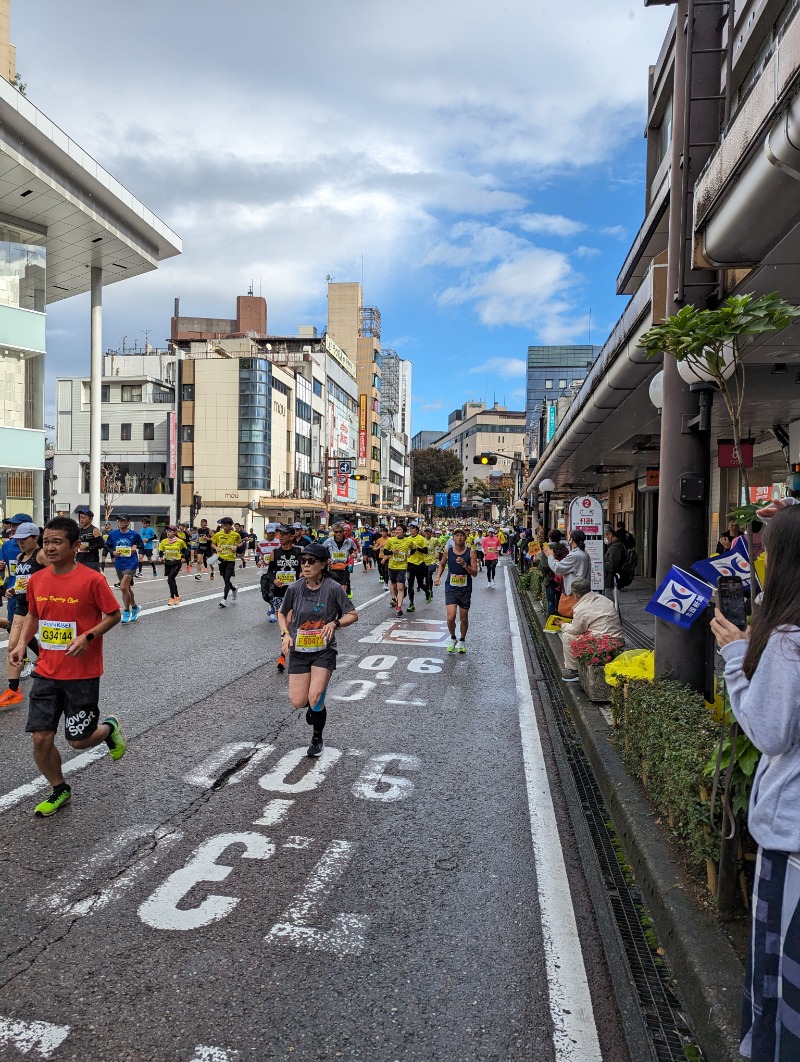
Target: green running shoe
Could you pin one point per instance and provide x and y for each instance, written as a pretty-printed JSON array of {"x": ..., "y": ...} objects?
[
  {"x": 116, "y": 739},
  {"x": 53, "y": 803}
]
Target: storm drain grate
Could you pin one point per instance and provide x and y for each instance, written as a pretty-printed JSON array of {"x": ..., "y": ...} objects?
[{"x": 671, "y": 1035}]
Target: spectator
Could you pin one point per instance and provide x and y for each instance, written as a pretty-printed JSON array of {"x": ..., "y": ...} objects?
[
  {"x": 576, "y": 565},
  {"x": 593, "y": 614},
  {"x": 548, "y": 576},
  {"x": 539, "y": 532},
  {"x": 625, "y": 537},
  {"x": 762, "y": 673},
  {"x": 724, "y": 542},
  {"x": 616, "y": 552}
]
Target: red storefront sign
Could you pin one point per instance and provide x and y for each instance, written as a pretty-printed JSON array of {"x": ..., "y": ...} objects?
[
  {"x": 726, "y": 453},
  {"x": 362, "y": 430}
]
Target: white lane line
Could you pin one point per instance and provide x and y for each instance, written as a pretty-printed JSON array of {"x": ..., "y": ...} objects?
[
  {"x": 574, "y": 1029},
  {"x": 37, "y": 1037}
]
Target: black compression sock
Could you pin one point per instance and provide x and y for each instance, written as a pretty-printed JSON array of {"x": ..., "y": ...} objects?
[
  {"x": 317, "y": 719},
  {"x": 61, "y": 788},
  {"x": 33, "y": 645},
  {"x": 13, "y": 684}
]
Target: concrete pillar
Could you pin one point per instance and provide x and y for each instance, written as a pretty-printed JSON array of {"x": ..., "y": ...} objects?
[{"x": 96, "y": 393}]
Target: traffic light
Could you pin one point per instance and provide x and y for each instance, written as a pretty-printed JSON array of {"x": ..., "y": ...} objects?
[
  {"x": 484, "y": 459},
  {"x": 359, "y": 475}
]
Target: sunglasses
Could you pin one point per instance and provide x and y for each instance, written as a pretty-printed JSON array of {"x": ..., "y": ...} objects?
[{"x": 310, "y": 560}]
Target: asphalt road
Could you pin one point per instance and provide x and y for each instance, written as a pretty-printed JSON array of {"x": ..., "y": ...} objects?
[{"x": 215, "y": 895}]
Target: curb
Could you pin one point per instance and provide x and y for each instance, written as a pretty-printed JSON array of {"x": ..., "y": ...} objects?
[{"x": 708, "y": 972}]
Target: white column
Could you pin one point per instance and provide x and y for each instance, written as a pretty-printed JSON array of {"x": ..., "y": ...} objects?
[{"x": 96, "y": 393}]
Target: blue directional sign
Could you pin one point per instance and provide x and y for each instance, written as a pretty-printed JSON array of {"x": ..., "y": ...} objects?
[
  {"x": 441, "y": 501},
  {"x": 455, "y": 499}
]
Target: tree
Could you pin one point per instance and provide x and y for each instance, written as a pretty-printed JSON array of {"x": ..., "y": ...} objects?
[
  {"x": 477, "y": 489},
  {"x": 711, "y": 341},
  {"x": 435, "y": 471},
  {"x": 112, "y": 485}
]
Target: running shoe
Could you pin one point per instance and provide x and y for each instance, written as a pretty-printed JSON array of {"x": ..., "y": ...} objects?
[
  {"x": 126, "y": 616},
  {"x": 205, "y": 570},
  {"x": 451, "y": 645},
  {"x": 393, "y": 602},
  {"x": 281, "y": 663},
  {"x": 211, "y": 577},
  {"x": 53, "y": 803},
  {"x": 234, "y": 593},
  {"x": 273, "y": 618},
  {"x": 197, "y": 577},
  {"x": 428, "y": 599},
  {"x": 385, "y": 586},
  {"x": 171, "y": 601},
  {"x": 155, "y": 575},
  {"x": 350, "y": 594},
  {"x": 11, "y": 697},
  {"x": 117, "y": 586},
  {"x": 27, "y": 668},
  {"x": 177, "y": 600},
  {"x": 223, "y": 604},
  {"x": 411, "y": 608},
  {"x": 116, "y": 739},
  {"x": 135, "y": 613},
  {"x": 461, "y": 647},
  {"x": 399, "y": 611},
  {"x": 316, "y": 746}
]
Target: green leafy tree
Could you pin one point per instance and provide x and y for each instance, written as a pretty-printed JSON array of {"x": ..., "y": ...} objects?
[
  {"x": 435, "y": 471},
  {"x": 714, "y": 340}
]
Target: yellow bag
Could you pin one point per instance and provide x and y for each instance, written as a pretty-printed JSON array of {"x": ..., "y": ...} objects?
[{"x": 633, "y": 664}]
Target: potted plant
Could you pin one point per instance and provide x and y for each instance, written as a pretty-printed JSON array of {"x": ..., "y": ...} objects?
[{"x": 592, "y": 652}]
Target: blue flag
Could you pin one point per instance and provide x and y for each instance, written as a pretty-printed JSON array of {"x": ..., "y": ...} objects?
[
  {"x": 680, "y": 599},
  {"x": 735, "y": 562}
]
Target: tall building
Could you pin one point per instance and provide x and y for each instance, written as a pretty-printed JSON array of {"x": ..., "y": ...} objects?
[
  {"x": 423, "y": 439},
  {"x": 395, "y": 427},
  {"x": 554, "y": 372},
  {"x": 475, "y": 430},
  {"x": 356, "y": 328},
  {"x": 67, "y": 227}
]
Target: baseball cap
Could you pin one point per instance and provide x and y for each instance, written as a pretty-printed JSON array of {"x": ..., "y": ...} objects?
[
  {"x": 316, "y": 551},
  {"x": 171, "y": 527},
  {"x": 298, "y": 527},
  {"x": 121, "y": 516},
  {"x": 26, "y": 530},
  {"x": 286, "y": 529},
  {"x": 21, "y": 518},
  {"x": 84, "y": 509},
  {"x": 271, "y": 527}
]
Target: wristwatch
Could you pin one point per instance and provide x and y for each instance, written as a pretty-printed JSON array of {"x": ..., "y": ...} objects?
[
  {"x": 336, "y": 624},
  {"x": 89, "y": 636}
]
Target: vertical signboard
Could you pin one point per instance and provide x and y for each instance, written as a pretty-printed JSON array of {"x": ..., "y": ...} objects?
[
  {"x": 362, "y": 430},
  {"x": 551, "y": 420},
  {"x": 587, "y": 514},
  {"x": 455, "y": 499},
  {"x": 173, "y": 444}
]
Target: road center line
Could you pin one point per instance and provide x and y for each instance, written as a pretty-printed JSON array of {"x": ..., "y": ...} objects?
[{"x": 574, "y": 1029}]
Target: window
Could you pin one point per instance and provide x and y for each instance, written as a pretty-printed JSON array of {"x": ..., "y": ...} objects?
[
  {"x": 376, "y": 430},
  {"x": 187, "y": 432},
  {"x": 161, "y": 395},
  {"x": 148, "y": 432},
  {"x": 318, "y": 388},
  {"x": 105, "y": 392},
  {"x": 131, "y": 392},
  {"x": 548, "y": 384},
  {"x": 187, "y": 474},
  {"x": 187, "y": 392},
  {"x": 562, "y": 384},
  {"x": 104, "y": 432},
  {"x": 376, "y": 454},
  {"x": 125, "y": 432}
]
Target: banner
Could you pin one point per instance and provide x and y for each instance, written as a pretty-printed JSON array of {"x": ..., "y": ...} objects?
[
  {"x": 342, "y": 486},
  {"x": 172, "y": 463},
  {"x": 735, "y": 562},
  {"x": 362, "y": 430},
  {"x": 680, "y": 599}
]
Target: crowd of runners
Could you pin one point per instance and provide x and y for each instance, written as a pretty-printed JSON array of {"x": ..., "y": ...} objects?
[{"x": 59, "y": 604}]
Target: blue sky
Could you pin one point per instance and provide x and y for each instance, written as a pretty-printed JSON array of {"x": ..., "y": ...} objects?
[{"x": 485, "y": 161}]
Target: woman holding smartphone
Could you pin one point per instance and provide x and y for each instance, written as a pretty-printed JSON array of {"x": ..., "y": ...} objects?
[
  {"x": 313, "y": 608},
  {"x": 762, "y": 673}
]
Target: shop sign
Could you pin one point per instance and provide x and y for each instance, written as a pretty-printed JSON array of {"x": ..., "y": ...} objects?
[
  {"x": 653, "y": 478},
  {"x": 173, "y": 444},
  {"x": 727, "y": 457},
  {"x": 339, "y": 355},
  {"x": 586, "y": 514}
]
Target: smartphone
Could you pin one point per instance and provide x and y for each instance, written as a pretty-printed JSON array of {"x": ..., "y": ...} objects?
[{"x": 731, "y": 600}]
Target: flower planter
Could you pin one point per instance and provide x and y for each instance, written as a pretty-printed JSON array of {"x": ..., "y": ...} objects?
[{"x": 593, "y": 680}]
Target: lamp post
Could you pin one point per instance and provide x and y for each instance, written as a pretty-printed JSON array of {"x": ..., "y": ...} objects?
[{"x": 546, "y": 486}]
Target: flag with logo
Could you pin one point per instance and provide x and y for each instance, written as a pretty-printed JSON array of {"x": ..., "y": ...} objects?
[
  {"x": 735, "y": 561},
  {"x": 680, "y": 599}
]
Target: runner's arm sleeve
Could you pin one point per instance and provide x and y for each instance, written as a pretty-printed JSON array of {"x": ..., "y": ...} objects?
[{"x": 95, "y": 544}]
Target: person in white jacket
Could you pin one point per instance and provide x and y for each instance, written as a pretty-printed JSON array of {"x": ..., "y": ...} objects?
[{"x": 762, "y": 674}]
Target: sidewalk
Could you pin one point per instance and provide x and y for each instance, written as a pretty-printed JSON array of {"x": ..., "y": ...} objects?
[{"x": 639, "y": 626}]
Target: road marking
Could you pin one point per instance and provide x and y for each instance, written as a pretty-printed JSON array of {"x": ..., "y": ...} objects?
[
  {"x": 347, "y": 935},
  {"x": 77, "y": 763},
  {"x": 409, "y": 632},
  {"x": 275, "y": 811},
  {"x": 214, "y": 1054},
  {"x": 211, "y": 769},
  {"x": 37, "y": 1037},
  {"x": 574, "y": 1029},
  {"x": 392, "y": 787},
  {"x": 274, "y": 781}
]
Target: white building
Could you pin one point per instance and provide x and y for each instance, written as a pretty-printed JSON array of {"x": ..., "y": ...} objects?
[{"x": 139, "y": 438}]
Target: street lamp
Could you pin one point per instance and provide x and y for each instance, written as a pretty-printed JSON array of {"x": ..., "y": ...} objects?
[{"x": 546, "y": 486}]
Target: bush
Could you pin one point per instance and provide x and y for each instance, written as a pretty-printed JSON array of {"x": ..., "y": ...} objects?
[{"x": 666, "y": 736}]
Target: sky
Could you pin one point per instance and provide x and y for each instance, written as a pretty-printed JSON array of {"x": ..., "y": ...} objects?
[{"x": 478, "y": 165}]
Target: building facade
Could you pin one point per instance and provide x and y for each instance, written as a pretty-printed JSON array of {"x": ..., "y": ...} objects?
[
  {"x": 423, "y": 439},
  {"x": 553, "y": 372},
  {"x": 475, "y": 430}
]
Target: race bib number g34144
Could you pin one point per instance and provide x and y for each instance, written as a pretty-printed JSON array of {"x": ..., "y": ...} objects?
[{"x": 57, "y": 634}]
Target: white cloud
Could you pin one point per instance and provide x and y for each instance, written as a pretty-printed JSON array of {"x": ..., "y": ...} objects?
[
  {"x": 550, "y": 224},
  {"x": 617, "y": 231},
  {"x": 504, "y": 367},
  {"x": 586, "y": 252},
  {"x": 429, "y": 407}
]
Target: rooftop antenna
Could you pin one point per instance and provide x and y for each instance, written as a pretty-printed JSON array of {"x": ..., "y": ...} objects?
[
  {"x": 250, "y": 291},
  {"x": 259, "y": 287}
]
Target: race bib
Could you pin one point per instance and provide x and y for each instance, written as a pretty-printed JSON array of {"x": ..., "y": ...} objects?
[
  {"x": 173, "y": 554},
  {"x": 123, "y": 551},
  {"x": 21, "y": 585},
  {"x": 309, "y": 640},
  {"x": 338, "y": 559},
  {"x": 284, "y": 578},
  {"x": 458, "y": 580},
  {"x": 226, "y": 553},
  {"x": 57, "y": 634},
  {"x": 12, "y": 567}
]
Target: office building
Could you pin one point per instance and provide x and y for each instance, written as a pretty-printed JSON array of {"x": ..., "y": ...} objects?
[
  {"x": 475, "y": 430},
  {"x": 423, "y": 439},
  {"x": 554, "y": 372}
]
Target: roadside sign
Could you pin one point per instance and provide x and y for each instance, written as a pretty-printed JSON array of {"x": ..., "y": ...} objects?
[
  {"x": 429, "y": 500},
  {"x": 455, "y": 499},
  {"x": 441, "y": 501},
  {"x": 586, "y": 513},
  {"x": 345, "y": 468}
]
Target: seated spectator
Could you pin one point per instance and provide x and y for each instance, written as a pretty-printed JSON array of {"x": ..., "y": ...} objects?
[{"x": 593, "y": 614}]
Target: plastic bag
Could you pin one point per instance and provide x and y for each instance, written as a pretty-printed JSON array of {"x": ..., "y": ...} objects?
[
  {"x": 554, "y": 624},
  {"x": 633, "y": 664}
]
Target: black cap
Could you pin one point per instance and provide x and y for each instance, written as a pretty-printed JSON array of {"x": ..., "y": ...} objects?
[
  {"x": 316, "y": 551},
  {"x": 84, "y": 509},
  {"x": 285, "y": 529},
  {"x": 121, "y": 516}
]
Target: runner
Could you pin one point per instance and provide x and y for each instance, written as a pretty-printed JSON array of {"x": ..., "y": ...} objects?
[
  {"x": 9, "y": 552},
  {"x": 29, "y": 560},
  {"x": 106, "y": 549},
  {"x": 150, "y": 538},
  {"x": 241, "y": 549},
  {"x": 491, "y": 553},
  {"x": 431, "y": 560},
  {"x": 417, "y": 565},
  {"x": 194, "y": 546},
  {"x": 92, "y": 542},
  {"x": 397, "y": 551},
  {"x": 461, "y": 565},
  {"x": 367, "y": 538},
  {"x": 226, "y": 542},
  {"x": 73, "y": 607},
  {"x": 340, "y": 549},
  {"x": 204, "y": 548},
  {"x": 173, "y": 550},
  {"x": 381, "y": 561},
  {"x": 184, "y": 535},
  {"x": 312, "y": 610},
  {"x": 123, "y": 545},
  {"x": 282, "y": 572},
  {"x": 478, "y": 546},
  {"x": 266, "y": 546}
]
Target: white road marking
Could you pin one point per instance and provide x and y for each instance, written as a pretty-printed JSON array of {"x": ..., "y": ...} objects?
[
  {"x": 402, "y": 696},
  {"x": 275, "y": 780},
  {"x": 32, "y": 1037},
  {"x": 409, "y": 632},
  {"x": 275, "y": 811},
  {"x": 212, "y": 768},
  {"x": 351, "y": 690},
  {"x": 574, "y": 1029},
  {"x": 77, "y": 763},
  {"x": 374, "y": 784},
  {"x": 214, "y": 1054},
  {"x": 347, "y": 935}
]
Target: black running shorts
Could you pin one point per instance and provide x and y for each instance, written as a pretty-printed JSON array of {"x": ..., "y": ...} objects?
[
  {"x": 301, "y": 663},
  {"x": 75, "y": 699}
]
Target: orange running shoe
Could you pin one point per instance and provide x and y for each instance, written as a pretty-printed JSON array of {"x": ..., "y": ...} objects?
[
  {"x": 11, "y": 697},
  {"x": 281, "y": 662},
  {"x": 171, "y": 601}
]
